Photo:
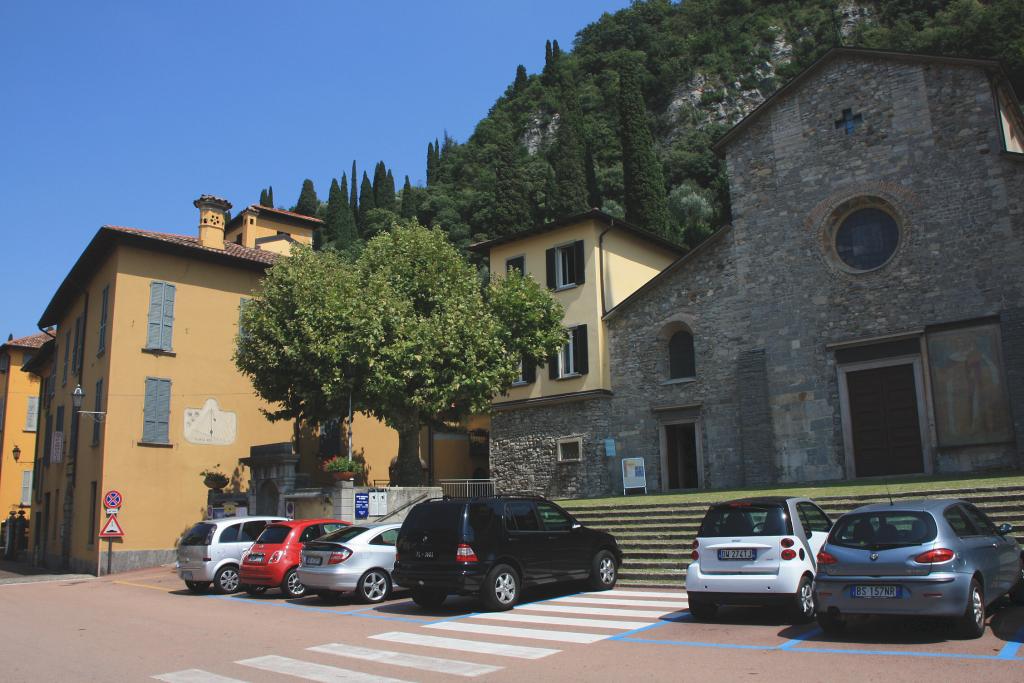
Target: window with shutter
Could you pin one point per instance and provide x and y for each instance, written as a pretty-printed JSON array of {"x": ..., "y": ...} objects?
[
  {"x": 567, "y": 356},
  {"x": 67, "y": 353},
  {"x": 566, "y": 266},
  {"x": 5, "y": 362},
  {"x": 26, "y": 487},
  {"x": 157, "y": 411},
  {"x": 3, "y": 412},
  {"x": 57, "y": 445},
  {"x": 104, "y": 303},
  {"x": 98, "y": 408},
  {"x": 76, "y": 355},
  {"x": 516, "y": 263},
  {"x": 32, "y": 414},
  {"x": 580, "y": 361},
  {"x": 161, "y": 316},
  {"x": 47, "y": 438}
]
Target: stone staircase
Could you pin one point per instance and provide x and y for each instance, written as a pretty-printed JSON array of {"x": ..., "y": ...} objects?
[{"x": 656, "y": 537}]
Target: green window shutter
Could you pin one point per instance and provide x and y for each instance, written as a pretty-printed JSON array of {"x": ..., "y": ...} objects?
[
  {"x": 104, "y": 303},
  {"x": 156, "y": 310},
  {"x": 76, "y": 356},
  {"x": 579, "y": 347},
  {"x": 167, "y": 321},
  {"x": 549, "y": 258},
  {"x": 98, "y": 408},
  {"x": 32, "y": 414},
  {"x": 553, "y": 367},
  {"x": 67, "y": 351},
  {"x": 529, "y": 371},
  {"x": 156, "y": 411},
  {"x": 579, "y": 265}
]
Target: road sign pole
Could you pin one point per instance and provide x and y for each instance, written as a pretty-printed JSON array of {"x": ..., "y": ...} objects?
[{"x": 110, "y": 553}]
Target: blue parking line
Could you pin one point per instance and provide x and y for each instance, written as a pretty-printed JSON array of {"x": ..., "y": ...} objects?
[
  {"x": 806, "y": 635},
  {"x": 896, "y": 653},
  {"x": 1009, "y": 650},
  {"x": 686, "y": 643}
]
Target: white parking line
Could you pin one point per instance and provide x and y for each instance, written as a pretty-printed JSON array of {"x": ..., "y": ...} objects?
[
  {"x": 671, "y": 595},
  {"x": 668, "y": 604},
  {"x": 601, "y": 611},
  {"x": 482, "y": 647},
  {"x": 195, "y": 676},
  {"x": 535, "y": 634},
  {"x": 311, "y": 671},
  {"x": 453, "y": 667},
  {"x": 562, "y": 621}
]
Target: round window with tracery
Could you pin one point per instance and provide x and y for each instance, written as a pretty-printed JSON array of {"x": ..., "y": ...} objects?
[{"x": 867, "y": 238}]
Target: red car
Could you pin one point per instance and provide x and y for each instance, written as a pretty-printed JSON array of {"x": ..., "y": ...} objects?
[{"x": 272, "y": 559}]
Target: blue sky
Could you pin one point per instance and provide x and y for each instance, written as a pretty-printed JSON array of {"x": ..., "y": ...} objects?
[{"x": 123, "y": 112}]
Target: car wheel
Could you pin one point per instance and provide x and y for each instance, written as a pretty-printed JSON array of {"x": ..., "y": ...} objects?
[
  {"x": 702, "y": 610},
  {"x": 830, "y": 623},
  {"x": 374, "y": 586},
  {"x": 255, "y": 590},
  {"x": 803, "y": 601},
  {"x": 197, "y": 586},
  {"x": 501, "y": 589},
  {"x": 972, "y": 623},
  {"x": 603, "y": 571},
  {"x": 1017, "y": 592},
  {"x": 226, "y": 579},
  {"x": 428, "y": 598},
  {"x": 291, "y": 586}
]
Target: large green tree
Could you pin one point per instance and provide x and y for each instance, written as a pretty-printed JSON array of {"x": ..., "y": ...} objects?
[
  {"x": 644, "y": 184},
  {"x": 339, "y": 229},
  {"x": 568, "y": 156},
  {"x": 405, "y": 329},
  {"x": 308, "y": 202},
  {"x": 511, "y": 203}
]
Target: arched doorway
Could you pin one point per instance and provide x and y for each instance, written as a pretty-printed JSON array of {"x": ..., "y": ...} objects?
[{"x": 267, "y": 499}]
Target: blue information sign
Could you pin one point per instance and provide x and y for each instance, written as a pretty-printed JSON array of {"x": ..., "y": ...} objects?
[{"x": 362, "y": 505}]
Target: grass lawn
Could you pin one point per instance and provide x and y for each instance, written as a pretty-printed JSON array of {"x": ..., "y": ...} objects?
[{"x": 841, "y": 488}]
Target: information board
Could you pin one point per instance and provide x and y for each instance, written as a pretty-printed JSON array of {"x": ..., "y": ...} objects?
[
  {"x": 362, "y": 505},
  {"x": 634, "y": 475}
]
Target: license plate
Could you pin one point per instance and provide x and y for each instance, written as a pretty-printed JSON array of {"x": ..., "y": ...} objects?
[
  {"x": 186, "y": 576},
  {"x": 255, "y": 559},
  {"x": 314, "y": 560},
  {"x": 737, "y": 554},
  {"x": 425, "y": 555},
  {"x": 884, "y": 592}
]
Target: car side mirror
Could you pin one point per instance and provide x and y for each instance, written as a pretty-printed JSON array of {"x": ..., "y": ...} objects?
[{"x": 1005, "y": 528}]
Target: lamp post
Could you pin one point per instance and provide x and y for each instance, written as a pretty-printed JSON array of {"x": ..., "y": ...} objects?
[
  {"x": 76, "y": 398},
  {"x": 16, "y": 453}
]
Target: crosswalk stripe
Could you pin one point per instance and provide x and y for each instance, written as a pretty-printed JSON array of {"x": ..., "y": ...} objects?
[
  {"x": 482, "y": 647},
  {"x": 511, "y": 632},
  {"x": 601, "y": 611},
  {"x": 561, "y": 621},
  {"x": 312, "y": 671},
  {"x": 452, "y": 667},
  {"x": 194, "y": 676},
  {"x": 667, "y": 604},
  {"x": 670, "y": 595}
]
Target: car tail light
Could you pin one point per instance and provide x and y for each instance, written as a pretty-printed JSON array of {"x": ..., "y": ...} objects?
[
  {"x": 934, "y": 556},
  {"x": 207, "y": 559},
  {"x": 788, "y": 554},
  {"x": 464, "y": 553},
  {"x": 275, "y": 557},
  {"x": 694, "y": 555},
  {"x": 694, "y": 544},
  {"x": 339, "y": 556},
  {"x": 787, "y": 543},
  {"x": 826, "y": 558}
]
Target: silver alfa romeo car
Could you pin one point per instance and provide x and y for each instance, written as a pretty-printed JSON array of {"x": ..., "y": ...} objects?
[
  {"x": 358, "y": 559},
  {"x": 940, "y": 558}
]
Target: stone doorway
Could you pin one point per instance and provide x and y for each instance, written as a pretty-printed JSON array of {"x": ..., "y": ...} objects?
[
  {"x": 681, "y": 456},
  {"x": 268, "y": 499},
  {"x": 884, "y": 420}
]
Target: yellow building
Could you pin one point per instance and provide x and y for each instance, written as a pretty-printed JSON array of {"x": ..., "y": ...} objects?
[
  {"x": 19, "y": 418},
  {"x": 146, "y": 323},
  {"x": 591, "y": 262}
]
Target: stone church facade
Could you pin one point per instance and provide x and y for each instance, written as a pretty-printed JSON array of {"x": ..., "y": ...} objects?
[{"x": 863, "y": 316}]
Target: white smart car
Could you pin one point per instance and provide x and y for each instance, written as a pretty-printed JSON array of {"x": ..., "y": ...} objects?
[{"x": 757, "y": 551}]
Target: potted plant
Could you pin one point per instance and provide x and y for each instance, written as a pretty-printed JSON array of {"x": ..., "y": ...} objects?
[
  {"x": 214, "y": 478},
  {"x": 342, "y": 469}
]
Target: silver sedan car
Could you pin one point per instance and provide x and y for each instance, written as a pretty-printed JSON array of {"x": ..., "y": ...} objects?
[
  {"x": 940, "y": 558},
  {"x": 358, "y": 559}
]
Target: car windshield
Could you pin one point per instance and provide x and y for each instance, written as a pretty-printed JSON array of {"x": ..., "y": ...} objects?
[
  {"x": 274, "y": 534},
  {"x": 200, "y": 534},
  {"x": 883, "y": 529},
  {"x": 745, "y": 519},
  {"x": 344, "y": 534}
]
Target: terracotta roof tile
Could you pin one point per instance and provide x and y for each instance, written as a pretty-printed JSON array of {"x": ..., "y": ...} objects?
[
  {"x": 32, "y": 341},
  {"x": 230, "y": 248}
]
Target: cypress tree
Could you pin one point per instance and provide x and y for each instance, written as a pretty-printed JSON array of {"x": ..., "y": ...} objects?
[
  {"x": 339, "y": 224},
  {"x": 519, "y": 85},
  {"x": 431, "y": 170},
  {"x": 365, "y": 202},
  {"x": 331, "y": 227},
  {"x": 270, "y": 196},
  {"x": 380, "y": 181},
  {"x": 644, "y": 185},
  {"x": 555, "y": 52},
  {"x": 568, "y": 160},
  {"x": 389, "y": 194},
  {"x": 547, "y": 55},
  {"x": 408, "y": 209},
  {"x": 511, "y": 205},
  {"x": 353, "y": 201},
  {"x": 593, "y": 189},
  {"x": 263, "y": 197},
  {"x": 308, "y": 203}
]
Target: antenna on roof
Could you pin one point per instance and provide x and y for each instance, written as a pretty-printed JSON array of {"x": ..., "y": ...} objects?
[{"x": 888, "y": 493}]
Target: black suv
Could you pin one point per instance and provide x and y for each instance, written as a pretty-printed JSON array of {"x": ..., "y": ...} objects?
[{"x": 493, "y": 546}]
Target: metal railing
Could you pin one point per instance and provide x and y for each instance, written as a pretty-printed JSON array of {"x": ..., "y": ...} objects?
[{"x": 466, "y": 488}]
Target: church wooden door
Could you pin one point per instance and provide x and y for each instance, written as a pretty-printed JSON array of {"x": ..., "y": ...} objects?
[{"x": 884, "y": 421}]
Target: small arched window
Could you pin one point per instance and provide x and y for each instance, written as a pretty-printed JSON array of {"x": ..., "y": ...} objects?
[{"x": 680, "y": 356}]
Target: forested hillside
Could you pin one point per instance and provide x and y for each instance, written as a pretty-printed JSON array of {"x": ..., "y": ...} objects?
[{"x": 624, "y": 120}]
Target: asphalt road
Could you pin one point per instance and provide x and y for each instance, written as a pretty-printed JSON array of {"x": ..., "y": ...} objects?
[{"x": 144, "y": 626}]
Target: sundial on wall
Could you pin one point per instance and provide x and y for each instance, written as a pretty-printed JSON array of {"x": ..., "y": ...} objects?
[{"x": 210, "y": 425}]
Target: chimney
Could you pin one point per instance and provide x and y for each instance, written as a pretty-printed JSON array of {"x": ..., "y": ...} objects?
[{"x": 211, "y": 220}]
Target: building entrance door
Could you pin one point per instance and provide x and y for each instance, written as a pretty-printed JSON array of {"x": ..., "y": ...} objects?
[
  {"x": 681, "y": 456},
  {"x": 884, "y": 424}
]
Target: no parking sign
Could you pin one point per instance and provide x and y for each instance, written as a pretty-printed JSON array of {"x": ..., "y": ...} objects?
[{"x": 112, "y": 501}]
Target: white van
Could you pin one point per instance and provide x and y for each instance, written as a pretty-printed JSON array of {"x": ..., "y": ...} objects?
[{"x": 211, "y": 551}]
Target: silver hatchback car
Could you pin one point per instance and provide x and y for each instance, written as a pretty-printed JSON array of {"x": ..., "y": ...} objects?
[
  {"x": 940, "y": 558},
  {"x": 357, "y": 559},
  {"x": 211, "y": 551}
]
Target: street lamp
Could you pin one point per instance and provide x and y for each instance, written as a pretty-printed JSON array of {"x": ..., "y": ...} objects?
[
  {"x": 16, "y": 453},
  {"x": 76, "y": 397}
]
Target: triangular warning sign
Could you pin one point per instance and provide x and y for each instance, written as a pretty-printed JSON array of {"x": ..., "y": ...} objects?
[{"x": 112, "y": 529}]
